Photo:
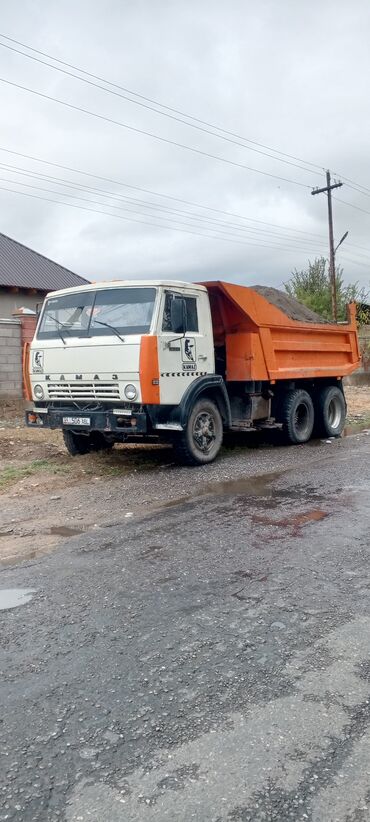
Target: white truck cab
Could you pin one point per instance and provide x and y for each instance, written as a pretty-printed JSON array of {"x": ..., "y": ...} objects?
[
  {"x": 113, "y": 359},
  {"x": 88, "y": 341}
]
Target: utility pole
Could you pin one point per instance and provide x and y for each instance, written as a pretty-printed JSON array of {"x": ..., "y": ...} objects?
[{"x": 327, "y": 190}]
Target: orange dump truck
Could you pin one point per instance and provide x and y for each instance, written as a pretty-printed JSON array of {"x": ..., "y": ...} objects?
[{"x": 185, "y": 363}]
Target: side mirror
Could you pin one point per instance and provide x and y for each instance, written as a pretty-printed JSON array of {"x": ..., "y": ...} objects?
[
  {"x": 38, "y": 309},
  {"x": 179, "y": 320}
]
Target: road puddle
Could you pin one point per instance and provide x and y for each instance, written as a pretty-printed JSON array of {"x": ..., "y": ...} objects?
[
  {"x": 257, "y": 486},
  {"x": 66, "y": 530},
  {"x": 294, "y": 522},
  {"x": 12, "y": 597}
]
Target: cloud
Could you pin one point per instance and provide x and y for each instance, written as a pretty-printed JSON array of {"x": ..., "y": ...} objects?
[{"x": 266, "y": 71}]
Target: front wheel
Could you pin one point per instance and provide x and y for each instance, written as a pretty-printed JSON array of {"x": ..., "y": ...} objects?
[
  {"x": 201, "y": 440},
  {"x": 77, "y": 444}
]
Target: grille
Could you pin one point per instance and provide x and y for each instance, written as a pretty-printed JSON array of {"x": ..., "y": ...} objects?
[{"x": 83, "y": 390}]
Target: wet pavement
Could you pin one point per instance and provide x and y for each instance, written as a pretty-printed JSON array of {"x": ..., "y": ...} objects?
[
  {"x": 13, "y": 597},
  {"x": 208, "y": 661}
]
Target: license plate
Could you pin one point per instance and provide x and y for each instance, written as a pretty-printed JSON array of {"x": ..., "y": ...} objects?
[{"x": 76, "y": 420}]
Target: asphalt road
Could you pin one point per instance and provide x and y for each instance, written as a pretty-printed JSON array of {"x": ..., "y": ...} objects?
[{"x": 208, "y": 661}]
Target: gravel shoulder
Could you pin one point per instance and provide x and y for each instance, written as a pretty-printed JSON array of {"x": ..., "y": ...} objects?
[{"x": 46, "y": 495}]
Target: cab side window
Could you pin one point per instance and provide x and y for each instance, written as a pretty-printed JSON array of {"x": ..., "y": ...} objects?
[{"x": 191, "y": 311}]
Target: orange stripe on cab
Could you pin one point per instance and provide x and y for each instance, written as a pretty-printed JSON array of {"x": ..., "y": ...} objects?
[
  {"x": 27, "y": 390},
  {"x": 149, "y": 370}
]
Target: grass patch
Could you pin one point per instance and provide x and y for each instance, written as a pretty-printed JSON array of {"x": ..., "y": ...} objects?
[
  {"x": 12, "y": 474},
  {"x": 355, "y": 426}
]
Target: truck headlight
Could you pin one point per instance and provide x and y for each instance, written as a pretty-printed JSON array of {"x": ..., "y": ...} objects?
[
  {"x": 38, "y": 392},
  {"x": 130, "y": 392}
]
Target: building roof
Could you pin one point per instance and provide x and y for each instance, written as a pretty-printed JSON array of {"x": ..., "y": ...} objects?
[{"x": 21, "y": 267}]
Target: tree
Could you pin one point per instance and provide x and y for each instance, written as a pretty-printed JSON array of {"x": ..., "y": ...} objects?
[{"x": 312, "y": 288}]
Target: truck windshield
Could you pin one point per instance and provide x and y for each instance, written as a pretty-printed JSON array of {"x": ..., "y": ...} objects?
[{"x": 105, "y": 312}]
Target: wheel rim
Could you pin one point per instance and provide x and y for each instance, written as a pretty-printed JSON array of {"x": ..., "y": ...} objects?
[
  {"x": 204, "y": 432},
  {"x": 334, "y": 413},
  {"x": 301, "y": 418}
]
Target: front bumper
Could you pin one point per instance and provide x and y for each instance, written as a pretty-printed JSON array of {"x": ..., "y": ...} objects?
[{"x": 104, "y": 421}]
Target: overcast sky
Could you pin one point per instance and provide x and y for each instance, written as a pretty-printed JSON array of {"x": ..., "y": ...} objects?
[{"x": 291, "y": 76}]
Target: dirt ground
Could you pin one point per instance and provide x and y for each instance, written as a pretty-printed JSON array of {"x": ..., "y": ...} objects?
[{"x": 46, "y": 495}]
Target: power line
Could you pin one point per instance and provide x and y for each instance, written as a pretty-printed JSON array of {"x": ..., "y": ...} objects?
[
  {"x": 358, "y": 190},
  {"x": 149, "y": 133},
  {"x": 150, "y": 205},
  {"x": 352, "y": 205},
  {"x": 157, "y": 217},
  {"x": 300, "y": 163},
  {"x": 162, "y": 113},
  {"x": 151, "y": 191},
  {"x": 225, "y": 238},
  {"x": 248, "y": 230},
  {"x": 166, "y": 108},
  {"x": 283, "y": 157},
  {"x": 176, "y": 199},
  {"x": 153, "y": 225},
  {"x": 356, "y": 262},
  {"x": 356, "y": 186},
  {"x": 154, "y": 193}
]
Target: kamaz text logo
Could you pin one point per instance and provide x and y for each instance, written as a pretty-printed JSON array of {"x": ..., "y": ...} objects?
[{"x": 95, "y": 377}]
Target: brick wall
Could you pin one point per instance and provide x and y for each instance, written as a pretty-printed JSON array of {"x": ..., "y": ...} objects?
[
  {"x": 10, "y": 359},
  {"x": 28, "y": 325}
]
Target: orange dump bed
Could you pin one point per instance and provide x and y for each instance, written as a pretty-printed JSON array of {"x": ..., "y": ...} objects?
[{"x": 263, "y": 342}]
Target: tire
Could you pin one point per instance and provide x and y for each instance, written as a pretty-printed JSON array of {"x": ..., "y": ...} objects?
[
  {"x": 78, "y": 444},
  {"x": 201, "y": 440},
  {"x": 330, "y": 412},
  {"x": 297, "y": 416}
]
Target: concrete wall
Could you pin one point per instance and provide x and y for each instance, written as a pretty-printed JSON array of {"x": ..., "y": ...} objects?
[
  {"x": 10, "y": 302},
  {"x": 10, "y": 359},
  {"x": 364, "y": 334},
  {"x": 364, "y": 340}
]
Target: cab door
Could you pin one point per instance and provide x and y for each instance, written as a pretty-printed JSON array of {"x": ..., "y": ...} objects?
[{"x": 188, "y": 355}]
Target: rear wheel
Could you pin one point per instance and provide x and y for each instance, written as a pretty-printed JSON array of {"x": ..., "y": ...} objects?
[
  {"x": 297, "y": 416},
  {"x": 201, "y": 440},
  {"x": 85, "y": 443},
  {"x": 330, "y": 412}
]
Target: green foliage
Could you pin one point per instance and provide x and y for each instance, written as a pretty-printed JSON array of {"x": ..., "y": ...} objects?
[
  {"x": 312, "y": 288},
  {"x": 363, "y": 314}
]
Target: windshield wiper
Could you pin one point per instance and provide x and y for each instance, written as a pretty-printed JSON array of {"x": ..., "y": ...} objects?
[
  {"x": 107, "y": 325},
  {"x": 59, "y": 324}
]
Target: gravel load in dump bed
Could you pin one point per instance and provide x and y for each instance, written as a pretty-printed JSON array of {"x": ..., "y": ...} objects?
[{"x": 291, "y": 307}]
